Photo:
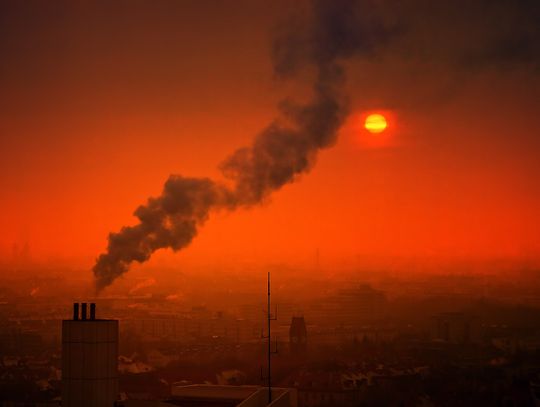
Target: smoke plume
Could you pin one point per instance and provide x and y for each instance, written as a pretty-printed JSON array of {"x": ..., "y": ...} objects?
[
  {"x": 315, "y": 44},
  {"x": 149, "y": 282}
]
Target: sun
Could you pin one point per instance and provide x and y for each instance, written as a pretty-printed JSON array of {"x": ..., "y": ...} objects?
[{"x": 375, "y": 123}]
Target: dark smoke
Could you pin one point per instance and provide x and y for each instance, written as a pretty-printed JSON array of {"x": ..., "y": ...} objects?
[
  {"x": 286, "y": 148},
  {"x": 170, "y": 220}
]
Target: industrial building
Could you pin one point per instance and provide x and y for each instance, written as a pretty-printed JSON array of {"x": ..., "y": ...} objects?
[{"x": 89, "y": 359}]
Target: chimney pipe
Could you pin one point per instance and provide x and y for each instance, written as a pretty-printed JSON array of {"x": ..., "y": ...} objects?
[
  {"x": 75, "y": 311},
  {"x": 92, "y": 311},
  {"x": 83, "y": 311}
]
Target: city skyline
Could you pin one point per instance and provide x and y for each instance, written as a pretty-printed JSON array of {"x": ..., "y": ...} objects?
[{"x": 241, "y": 203}]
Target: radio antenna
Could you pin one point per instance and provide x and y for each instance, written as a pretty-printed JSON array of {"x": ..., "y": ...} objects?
[{"x": 269, "y": 319}]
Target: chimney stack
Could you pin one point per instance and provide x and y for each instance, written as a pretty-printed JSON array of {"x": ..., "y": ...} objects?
[
  {"x": 89, "y": 359},
  {"x": 83, "y": 311},
  {"x": 76, "y": 311}
]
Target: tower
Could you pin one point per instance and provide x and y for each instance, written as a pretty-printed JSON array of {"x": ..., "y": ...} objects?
[
  {"x": 298, "y": 336},
  {"x": 89, "y": 359}
]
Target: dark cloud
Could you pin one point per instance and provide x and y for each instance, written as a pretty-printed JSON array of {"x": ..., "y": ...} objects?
[{"x": 467, "y": 34}]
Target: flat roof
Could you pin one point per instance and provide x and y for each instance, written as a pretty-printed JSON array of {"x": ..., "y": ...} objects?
[{"x": 213, "y": 392}]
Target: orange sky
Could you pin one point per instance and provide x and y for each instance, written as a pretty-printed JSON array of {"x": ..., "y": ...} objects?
[{"x": 93, "y": 121}]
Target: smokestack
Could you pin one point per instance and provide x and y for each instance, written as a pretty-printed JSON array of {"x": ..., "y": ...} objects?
[
  {"x": 83, "y": 311},
  {"x": 92, "y": 311},
  {"x": 75, "y": 311}
]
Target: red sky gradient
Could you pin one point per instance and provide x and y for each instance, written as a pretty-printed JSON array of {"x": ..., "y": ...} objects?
[{"x": 96, "y": 110}]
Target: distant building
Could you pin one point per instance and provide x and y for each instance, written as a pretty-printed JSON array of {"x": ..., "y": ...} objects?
[
  {"x": 353, "y": 307},
  {"x": 298, "y": 336},
  {"x": 89, "y": 359},
  {"x": 331, "y": 385},
  {"x": 455, "y": 327},
  {"x": 321, "y": 388}
]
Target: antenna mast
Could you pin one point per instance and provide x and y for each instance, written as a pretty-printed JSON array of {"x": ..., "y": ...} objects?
[{"x": 269, "y": 318}]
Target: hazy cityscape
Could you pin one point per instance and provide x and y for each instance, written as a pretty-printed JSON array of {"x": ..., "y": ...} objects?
[
  {"x": 367, "y": 338},
  {"x": 269, "y": 203}
]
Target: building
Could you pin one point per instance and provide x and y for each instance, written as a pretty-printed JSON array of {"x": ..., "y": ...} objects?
[
  {"x": 322, "y": 388},
  {"x": 209, "y": 395},
  {"x": 455, "y": 327},
  {"x": 298, "y": 336},
  {"x": 89, "y": 359},
  {"x": 349, "y": 307}
]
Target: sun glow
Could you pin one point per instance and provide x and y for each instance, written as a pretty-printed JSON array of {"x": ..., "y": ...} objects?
[{"x": 375, "y": 123}]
